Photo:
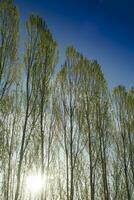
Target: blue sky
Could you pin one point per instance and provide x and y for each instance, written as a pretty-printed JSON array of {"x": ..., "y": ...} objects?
[{"x": 100, "y": 29}]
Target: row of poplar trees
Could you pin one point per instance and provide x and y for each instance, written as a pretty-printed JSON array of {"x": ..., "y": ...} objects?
[{"x": 63, "y": 123}]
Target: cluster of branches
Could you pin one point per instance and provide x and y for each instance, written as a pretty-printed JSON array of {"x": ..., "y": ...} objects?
[{"x": 65, "y": 124}]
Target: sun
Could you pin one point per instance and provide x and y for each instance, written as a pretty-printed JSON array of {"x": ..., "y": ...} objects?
[{"x": 34, "y": 183}]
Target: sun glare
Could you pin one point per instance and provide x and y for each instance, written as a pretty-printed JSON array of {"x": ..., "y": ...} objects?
[{"x": 34, "y": 183}]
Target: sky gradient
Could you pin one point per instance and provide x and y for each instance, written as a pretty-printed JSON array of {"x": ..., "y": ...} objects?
[{"x": 100, "y": 29}]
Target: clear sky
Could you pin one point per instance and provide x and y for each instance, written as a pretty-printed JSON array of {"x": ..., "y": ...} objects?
[{"x": 100, "y": 29}]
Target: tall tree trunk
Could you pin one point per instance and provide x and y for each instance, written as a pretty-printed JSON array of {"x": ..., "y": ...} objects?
[{"x": 22, "y": 141}]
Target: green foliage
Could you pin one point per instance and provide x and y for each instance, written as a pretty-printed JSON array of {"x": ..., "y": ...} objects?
[{"x": 64, "y": 124}]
